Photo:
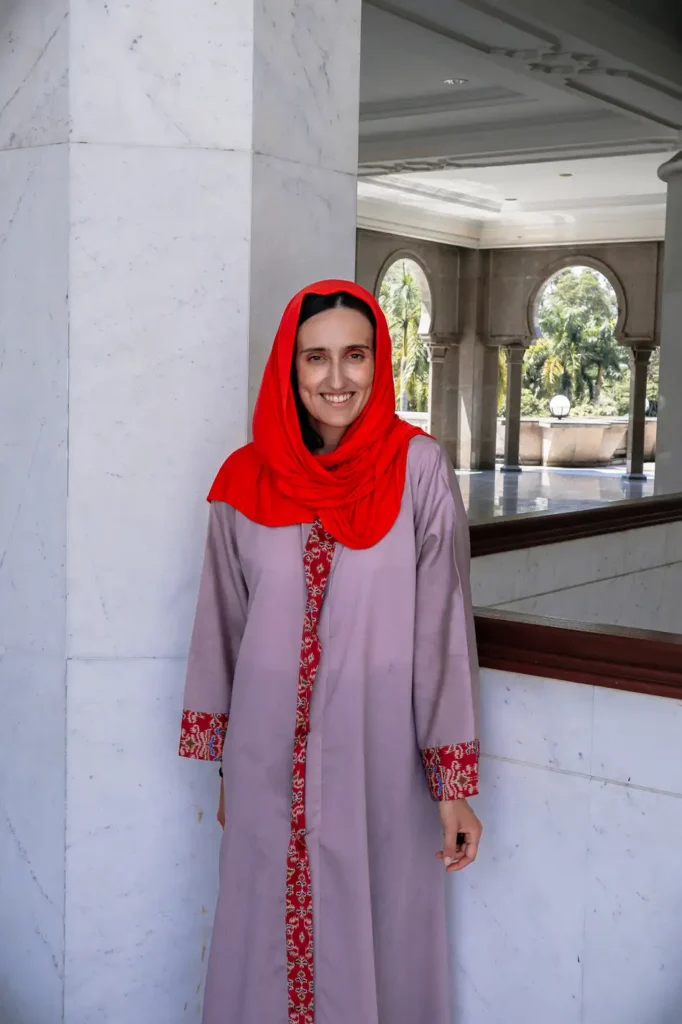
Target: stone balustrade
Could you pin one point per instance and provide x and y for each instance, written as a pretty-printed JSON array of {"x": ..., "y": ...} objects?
[{"x": 575, "y": 442}]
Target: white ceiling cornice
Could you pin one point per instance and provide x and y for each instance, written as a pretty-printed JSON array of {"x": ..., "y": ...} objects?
[
  {"x": 623, "y": 226},
  {"x": 443, "y": 195},
  {"x": 527, "y": 141},
  {"x": 472, "y": 99}
]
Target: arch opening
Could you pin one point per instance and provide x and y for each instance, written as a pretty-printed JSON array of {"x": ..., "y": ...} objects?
[
  {"x": 576, "y": 318},
  {"x": 405, "y": 298}
]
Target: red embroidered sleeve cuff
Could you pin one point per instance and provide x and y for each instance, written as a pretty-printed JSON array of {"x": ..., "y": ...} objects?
[
  {"x": 203, "y": 735},
  {"x": 452, "y": 772}
]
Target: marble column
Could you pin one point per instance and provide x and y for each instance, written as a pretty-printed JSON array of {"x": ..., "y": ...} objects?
[
  {"x": 512, "y": 436},
  {"x": 169, "y": 176},
  {"x": 443, "y": 373},
  {"x": 669, "y": 426},
  {"x": 486, "y": 452},
  {"x": 476, "y": 397},
  {"x": 477, "y": 404},
  {"x": 639, "y": 357}
]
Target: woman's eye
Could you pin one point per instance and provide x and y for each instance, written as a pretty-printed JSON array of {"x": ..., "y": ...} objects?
[
  {"x": 314, "y": 359},
  {"x": 357, "y": 356}
]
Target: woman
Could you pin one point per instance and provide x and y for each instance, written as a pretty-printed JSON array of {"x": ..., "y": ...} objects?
[{"x": 334, "y": 629}]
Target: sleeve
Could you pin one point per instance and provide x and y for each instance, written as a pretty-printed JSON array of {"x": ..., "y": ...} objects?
[
  {"x": 218, "y": 629},
  {"x": 446, "y": 689}
]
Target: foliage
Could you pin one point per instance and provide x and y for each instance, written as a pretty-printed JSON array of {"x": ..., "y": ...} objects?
[
  {"x": 652, "y": 378},
  {"x": 501, "y": 381},
  {"x": 401, "y": 300},
  {"x": 577, "y": 354}
]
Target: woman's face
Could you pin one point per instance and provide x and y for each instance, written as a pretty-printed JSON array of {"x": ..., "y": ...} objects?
[{"x": 335, "y": 368}]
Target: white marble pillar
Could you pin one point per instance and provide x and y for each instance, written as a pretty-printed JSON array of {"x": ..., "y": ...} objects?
[
  {"x": 669, "y": 427},
  {"x": 640, "y": 357},
  {"x": 512, "y": 434},
  {"x": 34, "y": 326},
  {"x": 169, "y": 176}
]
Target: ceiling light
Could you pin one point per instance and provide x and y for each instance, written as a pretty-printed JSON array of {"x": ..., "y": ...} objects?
[
  {"x": 566, "y": 174},
  {"x": 455, "y": 81}
]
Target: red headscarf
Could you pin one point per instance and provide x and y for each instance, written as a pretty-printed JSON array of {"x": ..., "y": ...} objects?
[{"x": 355, "y": 490}]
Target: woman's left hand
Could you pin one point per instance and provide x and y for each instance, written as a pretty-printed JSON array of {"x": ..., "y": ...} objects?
[{"x": 457, "y": 817}]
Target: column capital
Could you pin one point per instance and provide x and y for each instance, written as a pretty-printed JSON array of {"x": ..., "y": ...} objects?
[
  {"x": 641, "y": 354},
  {"x": 515, "y": 352},
  {"x": 671, "y": 168},
  {"x": 437, "y": 344}
]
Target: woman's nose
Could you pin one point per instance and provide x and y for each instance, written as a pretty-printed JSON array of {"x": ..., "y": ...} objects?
[{"x": 336, "y": 376}]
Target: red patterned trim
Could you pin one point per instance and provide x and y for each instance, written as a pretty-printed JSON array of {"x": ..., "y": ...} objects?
[
  {"x": 202, "y": 735},
  {"x": 317, "y": 562},
  {"x": 452, "y": 772}
]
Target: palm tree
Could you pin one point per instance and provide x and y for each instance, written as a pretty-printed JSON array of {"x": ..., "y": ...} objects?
[
  {"x": 602, "y": 354},
  {"x": 577, "y": 319},
  {"x": 565, "y": 366},
  {"x": 401, "y": 300}
]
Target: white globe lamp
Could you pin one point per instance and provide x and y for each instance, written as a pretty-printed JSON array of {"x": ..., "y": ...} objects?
[{"x": 560, "y": 406}]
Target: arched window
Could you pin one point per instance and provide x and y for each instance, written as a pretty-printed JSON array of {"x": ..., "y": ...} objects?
[
  {"x": 576, "y": 354},
  {"x": 405, "y": 298}
]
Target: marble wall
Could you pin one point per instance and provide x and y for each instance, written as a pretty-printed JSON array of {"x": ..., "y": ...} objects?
[
  {"x": 33, "y": 479},
  {"x": 571, "y": 912},
  {"x": 630, "y": 579},
  {"x": 151, "y": 232}
]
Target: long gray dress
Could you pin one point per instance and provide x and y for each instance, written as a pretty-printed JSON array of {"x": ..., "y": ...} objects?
[{"x": 392, "y": 725}]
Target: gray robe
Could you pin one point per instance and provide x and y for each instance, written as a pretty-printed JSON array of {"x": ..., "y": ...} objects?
[{"x": 398, "y": 676}]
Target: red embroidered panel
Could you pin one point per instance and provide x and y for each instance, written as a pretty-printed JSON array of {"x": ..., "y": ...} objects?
[
  {"x": 452, "y": 772},
  {"x": 202, "y": 735},
  {"x": 317, "y": 561}
]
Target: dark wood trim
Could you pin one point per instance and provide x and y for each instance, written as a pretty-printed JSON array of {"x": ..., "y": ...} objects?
[
  {"x": 622, "y": 659},
  {"x": 535, "y": 528}
]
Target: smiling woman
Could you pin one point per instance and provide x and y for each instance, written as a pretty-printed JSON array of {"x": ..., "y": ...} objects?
[{"x": 333, "y": 670}]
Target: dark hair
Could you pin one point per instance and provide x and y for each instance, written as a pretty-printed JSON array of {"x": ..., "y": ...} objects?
[{"x": 310, "y": 307}]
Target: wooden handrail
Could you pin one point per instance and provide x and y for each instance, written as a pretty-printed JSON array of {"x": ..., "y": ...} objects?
[
  {"x": 639, "y": 660},
  {"x": 536, "y": 528}
]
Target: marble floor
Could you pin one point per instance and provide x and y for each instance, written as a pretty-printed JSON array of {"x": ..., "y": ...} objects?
[{"x": 537, "y": 489}]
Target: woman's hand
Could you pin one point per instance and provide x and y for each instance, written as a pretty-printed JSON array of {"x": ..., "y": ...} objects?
[
  {"x": 457, "y": 817},
  {"x": 221, "y": 805}
]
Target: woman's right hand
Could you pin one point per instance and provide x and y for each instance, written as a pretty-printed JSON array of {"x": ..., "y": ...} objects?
[{"x": 221, "y": 805}]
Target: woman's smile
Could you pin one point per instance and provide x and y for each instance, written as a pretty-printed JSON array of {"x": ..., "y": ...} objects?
[{"x": 339, "y": 399}]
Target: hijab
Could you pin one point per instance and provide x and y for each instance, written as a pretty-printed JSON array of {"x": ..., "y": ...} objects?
[{"x": 356, "y": 490}]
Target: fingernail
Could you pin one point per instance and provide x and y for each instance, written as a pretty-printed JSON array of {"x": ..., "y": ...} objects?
[{"x": 448, "y": 861}]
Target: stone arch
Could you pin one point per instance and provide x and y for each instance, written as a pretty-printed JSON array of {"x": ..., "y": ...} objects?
[
  {"x": 577, "y": 261},
  {"x": 423, "y": 278}
]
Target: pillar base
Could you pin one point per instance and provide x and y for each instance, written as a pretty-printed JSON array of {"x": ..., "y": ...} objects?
[
  {"x": 634, "y": 477},
  {"x": 510, "y": 469}
]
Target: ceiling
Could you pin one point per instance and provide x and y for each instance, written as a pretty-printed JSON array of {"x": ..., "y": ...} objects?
[
  {"x": 618, "y": 198},
  {"x": 472, "y": 110}
]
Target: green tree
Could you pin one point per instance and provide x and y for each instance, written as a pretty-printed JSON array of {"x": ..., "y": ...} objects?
[
  {"x": 603, "y": 355},
  {"x": 501, "y": 380},
  {"x": 652, "y": 376},
  {"x": 577, "y": 352},
  {"x": 401, "y": 300}
]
